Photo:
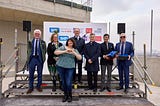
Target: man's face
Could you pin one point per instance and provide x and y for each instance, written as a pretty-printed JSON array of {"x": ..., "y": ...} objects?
[
  {"x": 92, "y": 38},
  {"x": 37, "y": 35},
  {"x": 123, "y": 37},
  {"x": 76, "y": 31},
  {"x": 105, "y": 38}
]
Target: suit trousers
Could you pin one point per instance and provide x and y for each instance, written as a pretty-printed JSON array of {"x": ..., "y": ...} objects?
[
  {"x": 103, "y": 74},
  {"x": 79, "y": 72},
  {"x": 32, "y": 65},
  {"x": 123, "y": 70},
  {"x": 91, "y": 74}
]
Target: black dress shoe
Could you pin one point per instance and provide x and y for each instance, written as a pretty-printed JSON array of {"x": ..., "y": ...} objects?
[
  {"x": 126, "y": 90},
  {"x": 102, "y": 89},
  {"x": 65, "y": 97},
  {"x": 69, "y": 99},
  {"x": 54, "y": 89},
  {"x": 119, "y": 88},
  {"x": 74, "y": 82},
  {"x": 108, "y": 89},
  {"x": 39, "y": 89},
  {"x": 95, "y": 90},
  {"x": 29, "y": 91}
]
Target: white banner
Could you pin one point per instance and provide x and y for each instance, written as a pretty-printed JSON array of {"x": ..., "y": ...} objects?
[{"x": 65, "y": 31}]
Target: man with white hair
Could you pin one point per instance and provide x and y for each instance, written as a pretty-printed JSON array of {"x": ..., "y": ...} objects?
[
  {"x": 36, "y": 57},
  {"x": 126, "y": 51}
]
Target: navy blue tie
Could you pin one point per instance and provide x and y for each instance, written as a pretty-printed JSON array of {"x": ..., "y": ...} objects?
[
  {"x": 36, "y": 47},
  {"x": 122, "y": 47}
]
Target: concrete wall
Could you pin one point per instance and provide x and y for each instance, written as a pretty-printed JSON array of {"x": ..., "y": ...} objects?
[
  {"x": 153, "y": 69},
  {"x": 7, "y": 33},
  {"x": 58, "y": 12}
]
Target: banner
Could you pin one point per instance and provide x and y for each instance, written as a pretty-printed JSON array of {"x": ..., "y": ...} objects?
[{"x": 65, "y": 31}]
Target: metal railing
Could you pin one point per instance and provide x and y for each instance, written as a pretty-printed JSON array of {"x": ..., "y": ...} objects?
[
  {"x": 85, "y": 5},
  {"x": 12, "y": 61},
  {"x": 0, "y": 69},
  {"x": 142, "y": 72}
]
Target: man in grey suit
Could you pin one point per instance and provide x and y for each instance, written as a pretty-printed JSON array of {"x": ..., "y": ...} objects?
[{"x": 106, "y": 62}]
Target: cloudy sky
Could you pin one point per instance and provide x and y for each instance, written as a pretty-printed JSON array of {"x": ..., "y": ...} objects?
[{"x": 136, "y": 14}]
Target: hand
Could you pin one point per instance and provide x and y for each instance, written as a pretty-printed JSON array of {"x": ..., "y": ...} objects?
[
  {"x": 56, "y": 58},
  {"x": 90, "y": 61},
  {"x": 104, "y": 56},
  {"x": 107, "y": 58},
  {"x": 69, "y": 50},
  {"x": 129, "y": 57},
  {"x": 116, "y": 56}
]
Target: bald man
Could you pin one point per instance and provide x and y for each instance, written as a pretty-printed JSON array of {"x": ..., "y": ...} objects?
[{"x": 36, "y": 57}]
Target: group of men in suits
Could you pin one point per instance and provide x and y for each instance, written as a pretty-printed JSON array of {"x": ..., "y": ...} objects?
[{"x": 91, "y": 51}]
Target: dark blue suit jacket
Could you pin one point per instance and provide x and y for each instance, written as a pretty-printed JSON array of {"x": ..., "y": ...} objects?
[
  {"x": 128, "y": 51},
  {"x": 92, "y": 51}
]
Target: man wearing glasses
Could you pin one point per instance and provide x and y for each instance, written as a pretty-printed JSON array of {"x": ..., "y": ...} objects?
[{"x": 126, "y": 51}]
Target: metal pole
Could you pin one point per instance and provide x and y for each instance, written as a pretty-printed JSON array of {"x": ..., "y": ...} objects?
[
  {"x": 109, "y": 28},
  {"x": 151, "y": 31},
  {"x": 28, "y": 39},
  {"x": 16, "y": 47},
  {"x": 15, "y": 38},
  {"x": 133, "y": 33},
  {"x": 145, "y": 67},
  {"x": 0, "y": 70},
  {"x": 28, "y": 36}
]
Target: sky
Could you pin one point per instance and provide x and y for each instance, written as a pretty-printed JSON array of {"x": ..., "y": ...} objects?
[{"x": 137, "y": 16}]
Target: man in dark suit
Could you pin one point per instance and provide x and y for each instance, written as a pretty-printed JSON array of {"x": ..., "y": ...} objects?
[
  {"x": 36, "y": 57},
  {"x": 91, "y": 53},
  {"x": 106, "y": 62},
  {"x": 80, "y": 42},
  {"x": 125, "y": 49}
]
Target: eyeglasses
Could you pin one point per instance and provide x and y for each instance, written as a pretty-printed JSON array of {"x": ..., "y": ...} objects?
[{"x": 123, "y": 37}]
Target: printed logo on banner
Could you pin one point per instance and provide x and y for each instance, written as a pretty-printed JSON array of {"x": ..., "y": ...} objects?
[
  {"x": 88, "y": 30},
  {"x": 98, "y": 38},
  {"x": 63, "y": 38},
  {"x": 98, "y": 31},
  {"x": 66, "y": 30},
  {"x": 54, "y": 29}
]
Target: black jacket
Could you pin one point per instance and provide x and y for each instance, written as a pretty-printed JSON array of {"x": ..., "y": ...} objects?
[
  {"x": 105, "y": 51},
  {"x": 79, "y": 44},
  {"x": 50, "y": 51}
]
